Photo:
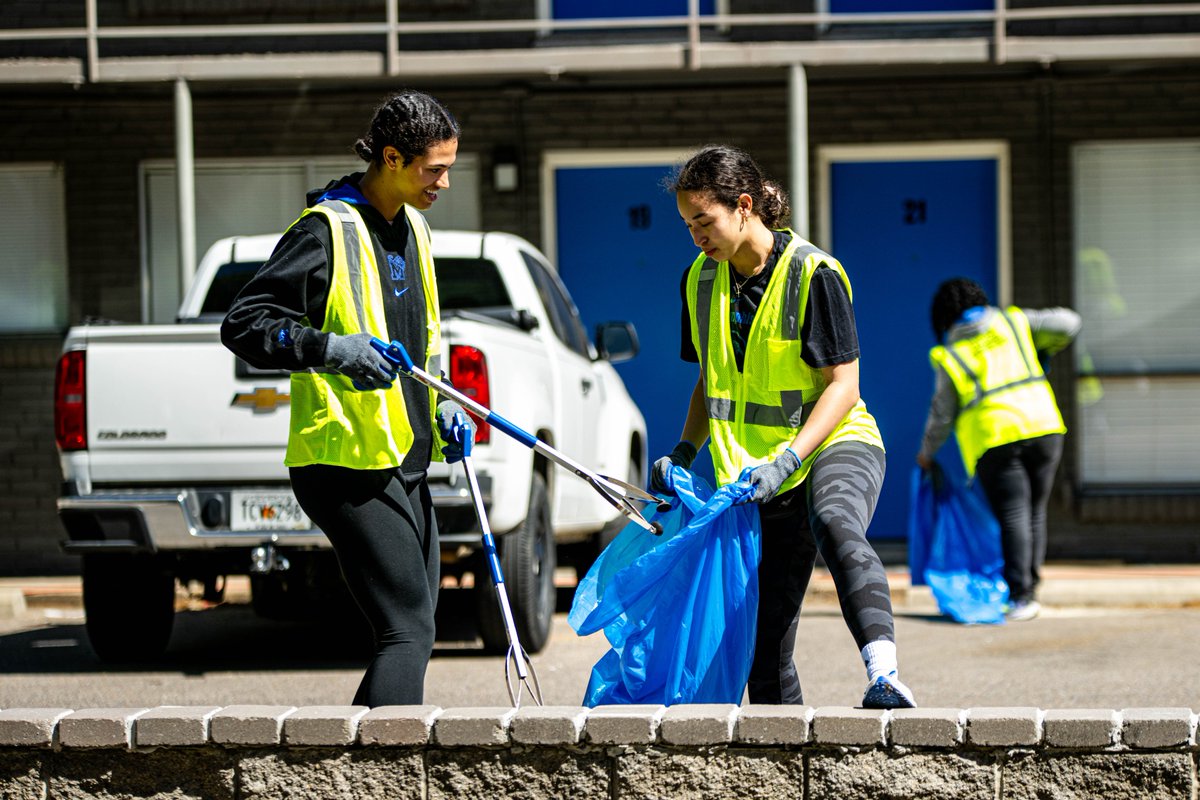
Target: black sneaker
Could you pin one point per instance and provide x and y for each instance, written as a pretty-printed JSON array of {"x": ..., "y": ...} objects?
[{"x": 887, "y": 691}]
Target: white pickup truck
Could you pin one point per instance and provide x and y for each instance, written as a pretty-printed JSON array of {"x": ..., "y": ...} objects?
[{"x": 172, "y": 449}]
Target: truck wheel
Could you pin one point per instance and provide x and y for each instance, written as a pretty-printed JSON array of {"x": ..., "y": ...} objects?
[
  {"x": 528, "y": 559},
  {"x": 129, "y": 603}
]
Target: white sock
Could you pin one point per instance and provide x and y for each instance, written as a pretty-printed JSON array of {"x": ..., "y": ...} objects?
[{"x": 880, "y": 658}]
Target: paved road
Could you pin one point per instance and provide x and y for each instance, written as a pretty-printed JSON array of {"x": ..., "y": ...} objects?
[{"x": 1069, "y": 658}]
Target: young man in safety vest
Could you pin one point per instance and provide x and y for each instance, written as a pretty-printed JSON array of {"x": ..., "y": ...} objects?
[{"x": 357, "y": 264}]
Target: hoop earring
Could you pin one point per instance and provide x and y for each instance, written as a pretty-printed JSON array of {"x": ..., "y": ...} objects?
[{"x": 743, "y": 225}]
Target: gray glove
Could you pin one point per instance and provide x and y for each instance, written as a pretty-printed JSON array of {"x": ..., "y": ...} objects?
[
  {"x": 683, "y": 455},
  {"x": 354, "y": 357},
  {"x": 766, "y": 480},
  {"x": 454, "y": 426}
]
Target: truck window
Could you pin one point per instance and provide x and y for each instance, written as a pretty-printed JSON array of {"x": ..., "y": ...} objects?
[
  {"x": 564, "y": 317},
  {"x": 463, "y": 283},
  {"x": 470, "y": 283},
  {"x": 226, "y": 284}
]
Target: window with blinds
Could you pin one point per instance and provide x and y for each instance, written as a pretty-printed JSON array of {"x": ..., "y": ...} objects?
[
  {"x": 236, "y": 198},
  {"x": 1137, "y": 264},
  {"x": 33, "y": 260}
]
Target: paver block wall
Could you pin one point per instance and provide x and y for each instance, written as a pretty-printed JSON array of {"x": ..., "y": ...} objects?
[{"x": 693, "y": 751}]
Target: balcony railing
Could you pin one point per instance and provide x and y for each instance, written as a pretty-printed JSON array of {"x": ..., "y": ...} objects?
[{"x": 131, "y": 50}]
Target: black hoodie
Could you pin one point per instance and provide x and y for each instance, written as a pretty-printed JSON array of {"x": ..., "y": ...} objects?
[{"x": 275, "y": 321}]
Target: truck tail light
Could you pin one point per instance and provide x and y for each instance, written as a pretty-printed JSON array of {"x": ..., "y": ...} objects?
[
  {"x": 70, "y": 405},
  {"x": 469, "y": 374}
]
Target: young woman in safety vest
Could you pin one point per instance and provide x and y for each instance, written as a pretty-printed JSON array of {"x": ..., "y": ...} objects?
[
  {"x": 357, "y": 264},
  {"x": 768, "y": 317},
  {"x": 991, "y": 389}
]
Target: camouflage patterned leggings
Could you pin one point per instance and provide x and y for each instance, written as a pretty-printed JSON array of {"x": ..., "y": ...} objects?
[{"x": 829, "y": 512}]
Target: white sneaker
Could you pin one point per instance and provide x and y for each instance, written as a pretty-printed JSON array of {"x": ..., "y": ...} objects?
[{"x": 1022, "y": 610}]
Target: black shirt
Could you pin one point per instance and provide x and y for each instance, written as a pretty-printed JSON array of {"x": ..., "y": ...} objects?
[
  {"x": 275, "y": 321},
  {"x": 829, "y": 334}
]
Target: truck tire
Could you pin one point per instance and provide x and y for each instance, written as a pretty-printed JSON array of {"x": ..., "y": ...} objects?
[
  {"x": 528, "y": 560},
  {"x": 129, "y": 603}
]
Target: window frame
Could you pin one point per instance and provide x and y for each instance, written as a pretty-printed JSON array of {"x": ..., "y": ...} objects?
[
  {"x": 318, "y": 169},
  {"x": 1088, "y": 379},
  {"x": 56, "y": 222}
]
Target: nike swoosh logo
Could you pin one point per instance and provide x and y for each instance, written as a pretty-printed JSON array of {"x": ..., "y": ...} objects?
[{"x": 399, "y": 292}]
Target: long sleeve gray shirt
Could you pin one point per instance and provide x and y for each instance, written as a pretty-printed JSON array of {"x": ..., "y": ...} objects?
[{"x": 1052, "y": 328}]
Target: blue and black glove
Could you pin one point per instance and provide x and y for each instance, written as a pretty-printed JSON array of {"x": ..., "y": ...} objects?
[
  {"x": 354, "y": 357},
  {"x": 765, "y": 480},
  {"x": 454, "y": 426},
  {"x": 683, "y": 455}
]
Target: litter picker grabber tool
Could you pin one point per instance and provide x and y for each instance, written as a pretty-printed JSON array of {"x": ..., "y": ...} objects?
[
  {"x": 517, "y": 660},
  {"x": 619, "y": 494}
]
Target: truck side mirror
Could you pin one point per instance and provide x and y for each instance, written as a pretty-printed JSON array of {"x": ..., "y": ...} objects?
[
  {"x": 526, "y": 321},
  {"x": 616, "y": 341}
]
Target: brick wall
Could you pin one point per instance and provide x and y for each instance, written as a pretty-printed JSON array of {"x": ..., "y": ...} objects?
[{"x": 29, "y": 472}]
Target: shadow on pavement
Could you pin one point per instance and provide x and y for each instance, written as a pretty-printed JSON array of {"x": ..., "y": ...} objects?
[
  {"x": 226, "y": 637},
  {"x": 231, "y": 636}
]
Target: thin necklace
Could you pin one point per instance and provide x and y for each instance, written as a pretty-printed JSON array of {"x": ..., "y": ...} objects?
[{"x": 739, "y": 285}]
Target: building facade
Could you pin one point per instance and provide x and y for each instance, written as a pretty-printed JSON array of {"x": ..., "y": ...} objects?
[{"x": 1051, "y": 149}]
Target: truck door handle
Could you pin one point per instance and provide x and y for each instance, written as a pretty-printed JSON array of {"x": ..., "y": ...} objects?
[{"x": 586, "y": 385}]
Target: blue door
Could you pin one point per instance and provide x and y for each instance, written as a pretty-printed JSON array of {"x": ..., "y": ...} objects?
[
  {"x": 589, "y": 9},
  {"x": 622, "y": 251},
  {"x": 879, "y": 6},
  {"x": 901, "y": 228}
]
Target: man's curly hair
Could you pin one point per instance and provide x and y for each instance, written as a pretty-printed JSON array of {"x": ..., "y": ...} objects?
[
  {"x": 950, "y": 300},
  {"x": 411, "y": 122}
]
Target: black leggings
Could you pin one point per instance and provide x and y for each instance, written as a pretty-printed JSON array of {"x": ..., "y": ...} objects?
[
  {"x": 1016, "y": 478},
  {"x": 830, "y": 511},
  {"x": 384, "y": 532}
]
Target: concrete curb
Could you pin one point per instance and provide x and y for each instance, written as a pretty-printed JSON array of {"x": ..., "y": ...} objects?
[
  {"x": 12, "y": 602},
  {"x": 1064, "y": 585}
]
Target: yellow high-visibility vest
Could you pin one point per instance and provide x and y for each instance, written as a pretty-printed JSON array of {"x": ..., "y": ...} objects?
[
  {"x": 756, "y": 412},
  {"x": 332, "y": 422},
  {"x": 1003, "y": 393}
]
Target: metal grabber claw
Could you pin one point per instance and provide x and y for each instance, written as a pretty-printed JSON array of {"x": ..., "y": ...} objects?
[{"x": 619, "y": 494}]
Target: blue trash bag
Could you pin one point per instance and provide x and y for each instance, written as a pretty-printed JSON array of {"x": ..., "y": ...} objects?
[
  {"x": 921, "y": 515},
  {"x": 678, "y": 609},
  {"x": 954, "y": 547}
]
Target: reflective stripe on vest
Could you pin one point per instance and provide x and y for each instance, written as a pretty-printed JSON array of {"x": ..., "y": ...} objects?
[
  {"x": 1018, "y": 405},
  {"x": 792, "y": 411},
  {"x": 755, "y": 413},
  {"x": 333, "y": 423},
  {"x": 1031, "y": 375}
]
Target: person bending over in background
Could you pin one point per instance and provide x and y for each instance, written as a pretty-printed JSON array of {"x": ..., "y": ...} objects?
[
  {"x": 768, "y": 317},
  {"x": 991, "y": 388},
  {"x": 357, "y": 264}
]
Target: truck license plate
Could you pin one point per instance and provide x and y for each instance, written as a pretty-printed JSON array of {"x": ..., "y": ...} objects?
[{"x": 271, "y": 511}]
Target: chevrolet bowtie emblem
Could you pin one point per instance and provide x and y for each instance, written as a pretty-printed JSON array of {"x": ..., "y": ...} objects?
[{"x": 262, "y": 399}]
